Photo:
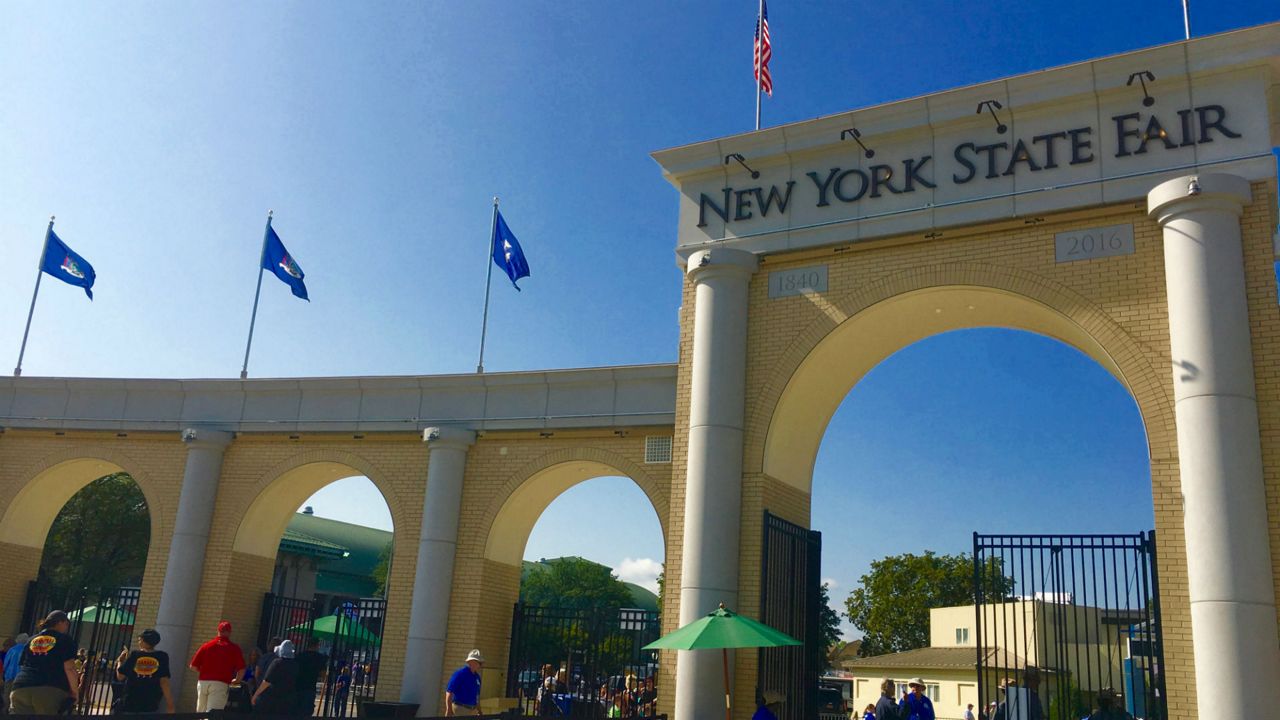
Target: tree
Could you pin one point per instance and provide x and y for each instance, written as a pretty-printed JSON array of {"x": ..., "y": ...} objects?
[
  {"x": 379, "y": 572},
  {"x": 662, "y": 586},
  {"x": 574, "y": 583},
  {"x": 98, "y": 542},
  {"x": 892, "y": 606},
  {"x": 828, "y": 623}
]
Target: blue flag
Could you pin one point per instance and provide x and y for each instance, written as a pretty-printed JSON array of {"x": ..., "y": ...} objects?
[
  {"x": 507, "y": 253},
  {"x": 277, "y": 259},
  {"x": 63, "y": 263}
]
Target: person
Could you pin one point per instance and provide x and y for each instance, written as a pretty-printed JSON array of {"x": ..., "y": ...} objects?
[
  {"x": 968, "y": 712},
  {"x": 1109, "y": 707},
  {"x": 915, "y": 705},
  {"x": 265, "y": 659},
  {"x": 277, "y": 692},
  {"x": 311, "y": 665},
  {"x": 770, "y": 705},
  {"x": 462, "y": 695},
  {"x": 341, "y": 688},
  {"x": 46, "y": 679},
  {"x": 220, "y": 664},
  {"x": 647, "y": 700},
  {"x": 250, "y": 678},
  {"x": 145, "y": 674},
  {"x": 620, "y": 707},
  {"x": 869, "y": 712},
  {"x": 1021, "y": 702},
  {"x": 11, "y": 658},
  {"x": 544, "y": 700},
  {"x": 886, "y": 707}
]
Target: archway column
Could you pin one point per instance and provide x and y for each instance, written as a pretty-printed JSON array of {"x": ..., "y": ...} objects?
[
  {"x": 185, "y": 567},
  {"x": 1232, "y": 592},
  {"x": 713, "y": 482},
  {"x": 433, "y": 574}
]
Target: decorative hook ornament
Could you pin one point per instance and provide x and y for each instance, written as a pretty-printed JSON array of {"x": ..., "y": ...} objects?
[
  {"x": 743, "y": 162},
  {"x": 857, "y": 137},
  {"x": 992, "y": 106}
]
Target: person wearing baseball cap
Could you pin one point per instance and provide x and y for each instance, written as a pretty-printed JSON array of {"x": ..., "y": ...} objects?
[
  {"x": 220, "y": 663},
  {"x": 145, "y": 673},
  {"x": 46, "y": 676},
  {"x": 462, "y": 695}
]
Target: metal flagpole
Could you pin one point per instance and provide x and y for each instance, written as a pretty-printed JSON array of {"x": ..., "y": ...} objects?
[
  {"x": 244, "y": 371},
  {"x": 758, "y": 53},
  {"x": 484, "y": 324},
  {"x": 17, "y": 371},
  {"x": 1186, "y": 20}
]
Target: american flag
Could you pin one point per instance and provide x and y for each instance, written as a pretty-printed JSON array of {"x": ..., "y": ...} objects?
[{"x": 763, "y": 51}]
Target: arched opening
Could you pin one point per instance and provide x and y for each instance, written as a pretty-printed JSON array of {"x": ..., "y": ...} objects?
[
  {"x": 586, "y": 546},
  {"x": 312, "y": 559},
  {"x": 87, "y": 528},
  {"x": 936, "y": 414}
]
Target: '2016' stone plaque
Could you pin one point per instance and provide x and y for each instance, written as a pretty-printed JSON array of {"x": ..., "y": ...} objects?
[{"x": 1092, "y": 243}]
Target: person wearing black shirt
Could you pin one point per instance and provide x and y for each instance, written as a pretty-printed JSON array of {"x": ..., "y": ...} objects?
[
  {"x": 311, "y": 664},
  {"x": 277, "y": 690},
  {"x": 145, "y": 673},
  {"x": 46, "y": 678}
]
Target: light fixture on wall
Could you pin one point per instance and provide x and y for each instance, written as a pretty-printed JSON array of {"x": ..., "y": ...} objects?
[
  {"x": 1193, "y": 187},
  {"x": 741, "y": 161},
  {"x": 1142, "y": 76},
  {"x": 992, "y": 106},
  {"x": 857, "y": 137}
]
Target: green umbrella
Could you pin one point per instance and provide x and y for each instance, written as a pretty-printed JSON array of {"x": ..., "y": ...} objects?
[
  {"x": 327, "y": 628},
  {"x": 106, "y": 615},
  {"x": 721, "y": 630}
]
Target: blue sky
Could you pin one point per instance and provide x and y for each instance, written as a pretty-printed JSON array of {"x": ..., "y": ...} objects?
[{"x": 161, "y": 133}]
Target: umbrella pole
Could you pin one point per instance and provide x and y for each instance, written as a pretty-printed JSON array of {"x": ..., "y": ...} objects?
[{"x": 724, "y": 654}]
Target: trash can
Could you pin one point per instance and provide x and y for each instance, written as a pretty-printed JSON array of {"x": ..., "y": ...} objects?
[{"x": 381, "y": 709}]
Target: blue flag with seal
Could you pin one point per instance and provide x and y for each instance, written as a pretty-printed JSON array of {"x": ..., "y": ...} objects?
[
  {"x": 277, "y": 259},
  {"x": 63, "y": 263},
  {"x": 507, "y": 253}
]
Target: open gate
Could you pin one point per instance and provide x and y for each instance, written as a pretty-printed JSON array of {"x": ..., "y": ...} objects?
[
  {"x": 597, "y": 649},
  {"x": 1061, "y": 617},
  {"x": 790, "y": 597},
  {"x": 350, "y": 636}
]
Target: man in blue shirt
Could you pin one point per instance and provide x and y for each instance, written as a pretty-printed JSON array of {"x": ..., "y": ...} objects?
[
  {"x": 915, "y": 705},
  {"x": 462, "y": 695},
  {"x": 11, "y": 659}
]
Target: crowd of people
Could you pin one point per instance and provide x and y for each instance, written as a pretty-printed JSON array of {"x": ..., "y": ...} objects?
[{"x": 1019, "y": 700}]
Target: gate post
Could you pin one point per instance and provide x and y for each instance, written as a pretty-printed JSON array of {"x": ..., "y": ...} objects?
[
  {"x": 1233, "y": 604},
  {"x": 713, "y": 489},
  {"x": 433, "y": 574},
  {"x": 185, "y": 569}
]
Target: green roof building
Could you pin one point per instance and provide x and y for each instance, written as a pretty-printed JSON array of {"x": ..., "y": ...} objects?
[{"x": 328, "y": 559}]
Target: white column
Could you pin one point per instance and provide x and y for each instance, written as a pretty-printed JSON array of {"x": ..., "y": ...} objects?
[
  {"x": 713, "y": 482},
  {"x": 1233, "y": 605},
  {"x": 433, "y": 575},
  {"x": 185, "y": 569}
]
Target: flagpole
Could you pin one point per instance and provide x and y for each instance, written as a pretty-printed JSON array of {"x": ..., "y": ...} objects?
[
  {"x": 244, "y": 371},
  {"x": 1186, "y": 20},
  {"x": 17, "y": 371},
  {"x": 484, "y": 324},
  {"x": 758, "y": 53}
]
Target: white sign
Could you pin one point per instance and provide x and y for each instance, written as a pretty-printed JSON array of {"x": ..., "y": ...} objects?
[
  {"x": 798, "y": 281},
  {"x": 1093, "y": 243}
]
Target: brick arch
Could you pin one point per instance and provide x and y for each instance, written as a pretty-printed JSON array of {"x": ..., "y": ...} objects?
[
  {"x": 596, "y": 462},
  {"x": 1048, "y": 306},
  {"x": 301, "y": 475}
]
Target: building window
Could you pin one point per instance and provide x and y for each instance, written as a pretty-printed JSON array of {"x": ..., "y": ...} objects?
[
  {"x": 962, "y": 636},
  {"x": 933, "y": 691}
]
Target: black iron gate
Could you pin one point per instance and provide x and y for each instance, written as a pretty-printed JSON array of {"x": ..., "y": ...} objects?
[
  {"x": 790, "y": 587},
  {"x": 1061, "y": 617},
  {"x": 593, "y": 655},
  {"x": 101, "y": 624},
  {"x": 350, "y": 636}
]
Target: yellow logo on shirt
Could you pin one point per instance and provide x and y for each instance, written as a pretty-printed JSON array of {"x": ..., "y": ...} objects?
[
  {"x": 146, "y": 666},
  {"x": 42, "y": 644}
]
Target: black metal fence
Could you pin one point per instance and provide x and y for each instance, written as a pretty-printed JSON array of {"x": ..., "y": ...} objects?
[
  {"x": 350, "y": 637},
  {"x": 102, "y": 624},
  {"x": 594, "y": 657},
  {"x": 1060, "y": 618},
  {"x": 790, "y": 600}
]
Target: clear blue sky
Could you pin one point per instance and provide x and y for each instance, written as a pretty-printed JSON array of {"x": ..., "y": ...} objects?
[{"x": 161, "y": 133}]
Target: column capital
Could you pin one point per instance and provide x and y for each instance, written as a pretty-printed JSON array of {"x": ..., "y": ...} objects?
[
  {"x": 445, "y": 436},
  {"x": 201, "y": 437},
  {"x": 1195, "y": 193},
  {"x": 717, "y": 262}
]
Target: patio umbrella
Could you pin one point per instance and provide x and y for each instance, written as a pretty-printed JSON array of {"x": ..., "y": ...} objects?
[
  {"x": 326, "y": 627},
  {"x": 721, "y": 630},
  {"x": 105, "y": 615}
]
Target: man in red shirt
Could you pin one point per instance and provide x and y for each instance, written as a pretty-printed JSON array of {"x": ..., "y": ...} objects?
[{"x": 220, "y": 664}]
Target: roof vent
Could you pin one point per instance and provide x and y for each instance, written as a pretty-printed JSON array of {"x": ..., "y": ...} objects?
[
  {"x": 308, "y": 510},
  {"x": 657, "y": 449}
]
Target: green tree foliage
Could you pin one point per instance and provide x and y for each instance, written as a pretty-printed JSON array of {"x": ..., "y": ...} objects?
[
  {"x": 574, "y": 583},
  {"x": 98, "y": 542},
  {"x": 1068, "y": 702},
  {"x": 828, "y": 622},
  {"x": 892, "y": 605},
  {"x": 662, "y": 586},
  {"x": 379, "y": 572}
]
